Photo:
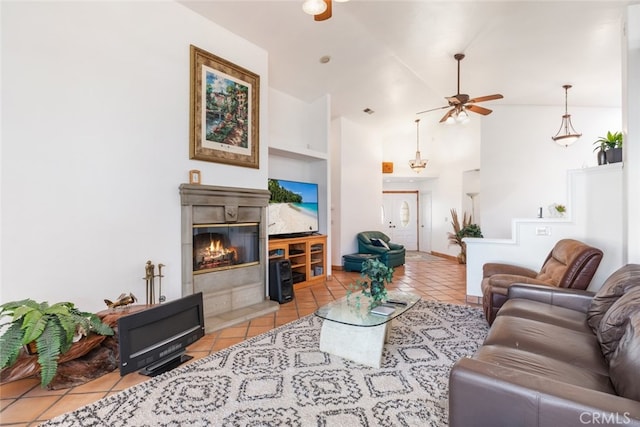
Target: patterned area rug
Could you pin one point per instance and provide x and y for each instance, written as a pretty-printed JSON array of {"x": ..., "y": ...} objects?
[
  {"x": 422, "y": 256},
  {"x": 281, "y": 378}
]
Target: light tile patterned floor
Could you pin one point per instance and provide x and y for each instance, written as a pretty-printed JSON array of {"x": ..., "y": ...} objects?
[{"x": 24, "y": 403}]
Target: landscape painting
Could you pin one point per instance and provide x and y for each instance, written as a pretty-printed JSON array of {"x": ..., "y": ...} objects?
[{"x": 224, "y": 111}]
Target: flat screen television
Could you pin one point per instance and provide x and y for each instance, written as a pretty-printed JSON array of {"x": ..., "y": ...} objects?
[
  {"x": 153, "y": 341},
  {"x": 293, "y": 208}
]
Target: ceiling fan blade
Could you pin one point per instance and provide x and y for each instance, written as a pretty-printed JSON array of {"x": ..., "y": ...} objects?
[
  {"x": 478, "y": 109},
  {"x": 486, "y": 98},
  {"x": 324, "y": 15},
  {"x": 433, "y": 109},
  {"x": 446, "y": 116}
]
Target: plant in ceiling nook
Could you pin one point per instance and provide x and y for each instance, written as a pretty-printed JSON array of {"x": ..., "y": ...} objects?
[
  {"x": 468, "y": 229},
  {"x": 611, "y": 145},
  {"x": 53, "y": 329}
]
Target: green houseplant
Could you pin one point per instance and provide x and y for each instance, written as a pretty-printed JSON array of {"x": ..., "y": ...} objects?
[
  {"x": 467, "y": 229},
  {"x": 51, "y": 327},
  {"x": 378, "y": 274},
  {"x": 611, "y": 145}
]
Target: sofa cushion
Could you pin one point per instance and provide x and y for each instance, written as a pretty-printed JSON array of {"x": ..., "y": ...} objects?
[
  {"x": 547, "y": 313},
  {"x": 624, "y": 367},
  {"x": 614, "y": 322},
  {"x": 544, "y": 366},
  {"x": 613, "y": 288},
  {"x": 577, "y": 348}
]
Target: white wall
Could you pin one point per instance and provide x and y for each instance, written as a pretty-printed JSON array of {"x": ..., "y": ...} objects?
[
  {"x": 357, "y": 206},
  {"x": 95, "y": 115},
  {"x": 523, "y": 169},
  {"x": 631, "y": 149}
]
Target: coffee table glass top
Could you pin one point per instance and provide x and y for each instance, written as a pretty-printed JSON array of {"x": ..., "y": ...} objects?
[{"x": 345, "y": 311}]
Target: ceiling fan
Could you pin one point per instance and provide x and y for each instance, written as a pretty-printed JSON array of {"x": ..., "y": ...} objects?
[{"x": 461, "y": 102}]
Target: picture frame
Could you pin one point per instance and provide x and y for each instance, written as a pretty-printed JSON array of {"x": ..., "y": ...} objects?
[
  {"x": 194, "y": 177},
  {"x": 224, "y": 111}
]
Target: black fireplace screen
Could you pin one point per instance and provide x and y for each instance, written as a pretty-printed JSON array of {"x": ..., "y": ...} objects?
[{"x": 224, "y": 246}]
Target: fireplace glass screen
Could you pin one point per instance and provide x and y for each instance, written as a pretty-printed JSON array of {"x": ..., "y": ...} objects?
[{"x": 217, "y": 247}]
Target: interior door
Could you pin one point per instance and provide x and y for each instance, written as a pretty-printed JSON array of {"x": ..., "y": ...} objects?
[{"x": 400, "y": 218}]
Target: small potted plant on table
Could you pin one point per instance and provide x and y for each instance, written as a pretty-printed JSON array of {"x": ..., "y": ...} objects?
[{"x": 378, "y": 274}]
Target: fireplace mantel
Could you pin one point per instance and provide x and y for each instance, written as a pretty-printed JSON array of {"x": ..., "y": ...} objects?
[{"x": 230, "y": 296}]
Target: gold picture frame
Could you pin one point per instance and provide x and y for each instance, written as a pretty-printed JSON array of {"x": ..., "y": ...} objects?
[{"x": 224, "y": 113}]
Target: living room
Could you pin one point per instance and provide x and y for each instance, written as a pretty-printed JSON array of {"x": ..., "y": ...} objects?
[
  {"x": 88, "y": 198},
  {"x": 95, "y": 143}
]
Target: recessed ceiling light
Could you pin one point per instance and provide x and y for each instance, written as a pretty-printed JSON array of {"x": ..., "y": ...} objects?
[
  {"x": 325, "y": 59},
  {"x": 368, "y": 111}
]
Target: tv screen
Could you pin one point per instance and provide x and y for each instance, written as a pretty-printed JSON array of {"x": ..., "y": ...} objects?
[
  {"x": 154, "y": 340},
  {"x": 293, "y": 208}
]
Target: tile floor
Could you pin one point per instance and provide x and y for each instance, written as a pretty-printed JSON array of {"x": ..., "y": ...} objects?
[{"x": 24, "y": 403}]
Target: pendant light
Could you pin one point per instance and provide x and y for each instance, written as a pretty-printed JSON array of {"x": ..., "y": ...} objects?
[
  {"x": 566, "y": 135},
  {"x": 418, "y": 164}
]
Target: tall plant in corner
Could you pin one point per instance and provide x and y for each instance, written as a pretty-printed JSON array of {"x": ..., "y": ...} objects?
[
  {"x": 467, "y": 229},
  {"x": 51, "y": 327}
]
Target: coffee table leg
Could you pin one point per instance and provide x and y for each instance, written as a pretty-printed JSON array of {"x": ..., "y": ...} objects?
[{"x": 359, "y": 344}]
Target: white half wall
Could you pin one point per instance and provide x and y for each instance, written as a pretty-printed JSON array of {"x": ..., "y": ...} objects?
[{"x": 95, "y": 142}]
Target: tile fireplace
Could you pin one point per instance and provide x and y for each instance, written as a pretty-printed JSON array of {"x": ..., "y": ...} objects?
[{"x": 224, "y": 241}]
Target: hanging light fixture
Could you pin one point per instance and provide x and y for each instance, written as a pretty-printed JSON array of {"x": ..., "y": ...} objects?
[
  {"x": 566, "y": 135},
  {"x": 418, "y": 164}
]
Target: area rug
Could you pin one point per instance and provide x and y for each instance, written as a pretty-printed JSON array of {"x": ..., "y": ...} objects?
[
  {"x": 422, "y": 256},
  {"x": 281, "y": 378}
]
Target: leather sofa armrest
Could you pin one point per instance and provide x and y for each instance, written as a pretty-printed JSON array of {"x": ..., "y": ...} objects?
[
  {"x": 491, "y": 268},
  {"x": 482, "y": 393},
  {"x": 573, "y": 299},
  {"x": 395, "y": 246}
]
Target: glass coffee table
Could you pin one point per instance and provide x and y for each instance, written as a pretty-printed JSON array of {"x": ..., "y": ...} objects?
[{"x": 357, "y": 334}]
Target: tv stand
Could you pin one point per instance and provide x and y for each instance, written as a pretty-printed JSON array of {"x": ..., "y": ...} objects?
[
  {"x": 165, "y": 365},
  {"x": 307, "y": 255}
]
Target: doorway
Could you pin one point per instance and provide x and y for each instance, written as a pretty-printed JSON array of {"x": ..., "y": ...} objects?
[{"x": 400, "y": 215}]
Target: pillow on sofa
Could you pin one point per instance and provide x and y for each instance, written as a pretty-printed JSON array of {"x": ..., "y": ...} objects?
[
  {"x": 624, "y": 367},
  {"x": 613, "y": 288},
  {"x": 379, "y": 242},
  {"x": 614, "y": 322}
]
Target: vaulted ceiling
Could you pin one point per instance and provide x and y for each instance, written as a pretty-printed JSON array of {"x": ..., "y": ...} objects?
[{"x": 396, "y": 57}]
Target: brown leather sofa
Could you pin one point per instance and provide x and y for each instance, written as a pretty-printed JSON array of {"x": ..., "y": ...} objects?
[
  {"x": 570, "y": 264},
  {"x": 556, "y": 357}
]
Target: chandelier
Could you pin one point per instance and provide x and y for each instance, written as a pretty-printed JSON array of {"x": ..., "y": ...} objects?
[
  {"x": 566, "y": 135},
  {"x": 418, "y": 164}
]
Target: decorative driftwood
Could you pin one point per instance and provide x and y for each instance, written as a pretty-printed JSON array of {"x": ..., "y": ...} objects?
[{"x": 87, "y": 359}]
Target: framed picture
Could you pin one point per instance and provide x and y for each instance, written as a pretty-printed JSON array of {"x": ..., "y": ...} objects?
[
  {"x": 224, "y": 111},
  {"x": 194, "y": 176}
]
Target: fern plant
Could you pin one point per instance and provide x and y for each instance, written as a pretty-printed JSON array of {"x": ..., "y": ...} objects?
[{"x": 51, "y": 327}]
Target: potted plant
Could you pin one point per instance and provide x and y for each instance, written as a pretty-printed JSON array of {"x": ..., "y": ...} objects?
[
  {"x": 378, "y": 274},
  {"x": 611, "y": 145},
  {"x": 460, "y": 232},
  {"x": 52, "y": 328}
]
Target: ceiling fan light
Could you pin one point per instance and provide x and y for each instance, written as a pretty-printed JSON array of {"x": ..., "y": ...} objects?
[
  {"x": 462, "y": 117},
  {"x": 314, "y": 7},
  {"x": 450, "y": 120}
]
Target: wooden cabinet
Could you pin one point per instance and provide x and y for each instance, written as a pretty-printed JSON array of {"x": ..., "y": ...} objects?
[{"x": 307, "y": 255}]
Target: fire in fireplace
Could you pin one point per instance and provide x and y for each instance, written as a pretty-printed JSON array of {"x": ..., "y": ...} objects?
[{"x": 222, "y": 246}]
